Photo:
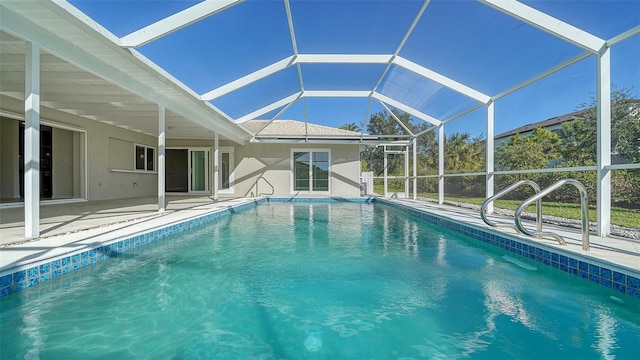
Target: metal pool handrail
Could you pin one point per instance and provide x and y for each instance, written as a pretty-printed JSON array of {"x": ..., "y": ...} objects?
[
  {"x": 507, "y": 190},
  {"x": 273, "y": 190},
  {"x": 583, "y": 205}
]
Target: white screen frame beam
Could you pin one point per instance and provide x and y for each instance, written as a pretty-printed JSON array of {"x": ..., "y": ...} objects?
[
  {"x": 175, "y": 22},
  {"x": 548, "y": 23}
]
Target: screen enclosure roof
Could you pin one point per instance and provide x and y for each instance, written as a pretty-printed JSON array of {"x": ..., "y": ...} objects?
[{"x": 216, "y": 64}]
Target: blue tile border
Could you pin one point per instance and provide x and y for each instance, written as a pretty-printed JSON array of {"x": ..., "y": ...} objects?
[
  {"x": 65, "y": 264},
  {"x": 613, "y": 278},
  {"x": 31, "y": 275},
  {"x": 331, "y": 199}
]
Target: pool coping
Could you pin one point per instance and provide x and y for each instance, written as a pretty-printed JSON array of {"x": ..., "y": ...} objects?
[
  {"x": 33, "y": 271},
  {"x": 618, "y": 277},
  {"x": 39, "y": 268}
]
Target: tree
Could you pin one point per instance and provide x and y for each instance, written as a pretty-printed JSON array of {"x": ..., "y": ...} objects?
[
  {"x": 463, "y": 153},
  {"x": 528, "y": 152},
  {"x": 350, "y": 127},
  {"x": 578, "y": 141},
  {"x": 579, "y": 145},
  {"x": 536, "y": 151},
  {"x": 383, "y": 123},
  {"x": 578, "y": 138}
]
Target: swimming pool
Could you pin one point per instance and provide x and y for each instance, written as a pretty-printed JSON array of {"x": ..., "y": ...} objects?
[{"x": 319, "y": 280}]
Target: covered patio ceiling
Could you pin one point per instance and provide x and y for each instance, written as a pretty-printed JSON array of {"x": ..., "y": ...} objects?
[
  {"x": 84, "y": 73},
  {"x": 218, "y": 62}
]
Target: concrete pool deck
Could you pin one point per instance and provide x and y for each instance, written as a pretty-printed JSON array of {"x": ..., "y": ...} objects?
[
  {"x": 73, "y": 226},
  {"x": 614, "y": 250}
]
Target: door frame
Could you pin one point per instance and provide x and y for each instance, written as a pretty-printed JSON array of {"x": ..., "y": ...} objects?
[
  {"x": 207, "y": 180},
  {"x": 207, "y": 170}
]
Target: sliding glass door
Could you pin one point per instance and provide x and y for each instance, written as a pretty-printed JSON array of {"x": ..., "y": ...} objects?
[
  {"x": 187, "y": 170},
  {"x": 199, "y": 170}
]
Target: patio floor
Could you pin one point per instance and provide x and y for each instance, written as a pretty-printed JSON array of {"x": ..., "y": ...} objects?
[
  {"x": 69, "y": 227},
  {"x": 57, "y": 219}
]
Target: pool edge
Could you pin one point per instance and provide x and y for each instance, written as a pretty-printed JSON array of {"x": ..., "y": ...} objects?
[
  {"x": 620, "y": 278},
  {"x": 613, "y": 276}
]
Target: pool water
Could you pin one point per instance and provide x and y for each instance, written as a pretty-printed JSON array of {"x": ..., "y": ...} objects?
[{"x": 319, "y": 281}]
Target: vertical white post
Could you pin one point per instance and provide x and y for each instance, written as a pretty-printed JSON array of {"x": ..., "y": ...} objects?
[
  {"x": 385, "y": 171},
  {"x": 441, "y": 164},
  {"x": 603, "y": 206},
  {"x": 415, "y": 168},
  {"x": 32, "y": 142},
  {"x": 216, "y": 165},
  {"x": 161, "y": 159},
  {"x": 406, "y": 171},
  {"x": 489, "y": 151}
]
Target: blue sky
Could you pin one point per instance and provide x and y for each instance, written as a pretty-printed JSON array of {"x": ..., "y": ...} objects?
[{"x": 463, "y": 40}]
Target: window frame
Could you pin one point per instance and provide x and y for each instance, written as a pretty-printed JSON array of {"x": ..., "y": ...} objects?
[
  {"x": 310, "y": 152},
  {"x": 146, "y": 149}
]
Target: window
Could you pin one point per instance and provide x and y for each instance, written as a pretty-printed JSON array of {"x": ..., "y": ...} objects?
[
  {"x": 145, "y": 158},
  {"x": 226, "y": 173},
  {"x": 311, "y": 170},
  {"x": 225, "y": 170}
]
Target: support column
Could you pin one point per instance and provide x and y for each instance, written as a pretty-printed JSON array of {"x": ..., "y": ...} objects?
[
  {"x": 32, "y": 142},
  {"x": 489, "y": 151},
  {"x": 441, "y": 164},
  {"x": 385, "y": 171},
  {"x": 603, "y": 205},
  {"x": 161, "y": 158},
  {"x": 406, "y": 171},
  {"x": 216, "y": 165},
  {"x": 415, "y": 168}
]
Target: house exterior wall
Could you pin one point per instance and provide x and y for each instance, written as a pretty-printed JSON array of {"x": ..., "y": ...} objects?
[
  {"x": 270, "y": 165},
  {"x": 110, "y": 161},
  {"x": 104, "y": 181},
  {"x": 9, "y": 177}
]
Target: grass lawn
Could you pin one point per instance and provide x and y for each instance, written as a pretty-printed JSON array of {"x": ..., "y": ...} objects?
[{"x": 619, "y": 216}]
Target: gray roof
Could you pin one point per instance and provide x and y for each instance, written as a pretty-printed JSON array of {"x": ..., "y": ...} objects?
[
  {"x": 295, "y": 128},
  {"x": 544, "y": 123}
]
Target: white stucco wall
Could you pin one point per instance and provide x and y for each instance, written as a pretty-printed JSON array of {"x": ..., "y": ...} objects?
[
  {"x": 103, "y": 181},
  {"x": 272, "y": 164},
  {"x": 9, "y": 176},
  {"x": 110, "y": 162}
]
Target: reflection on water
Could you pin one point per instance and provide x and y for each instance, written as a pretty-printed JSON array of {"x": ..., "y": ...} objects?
[{"x": 318, "y": 281}]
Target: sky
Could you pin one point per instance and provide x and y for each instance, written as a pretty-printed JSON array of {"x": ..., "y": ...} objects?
[{"x": 463, "y": 40}]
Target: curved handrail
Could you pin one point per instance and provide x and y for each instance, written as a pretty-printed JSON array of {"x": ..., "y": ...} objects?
[
  {"x": 583, "y": 205},
  {"x": 273, "y": 190},
  {"x": 506, "y": 190}
]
